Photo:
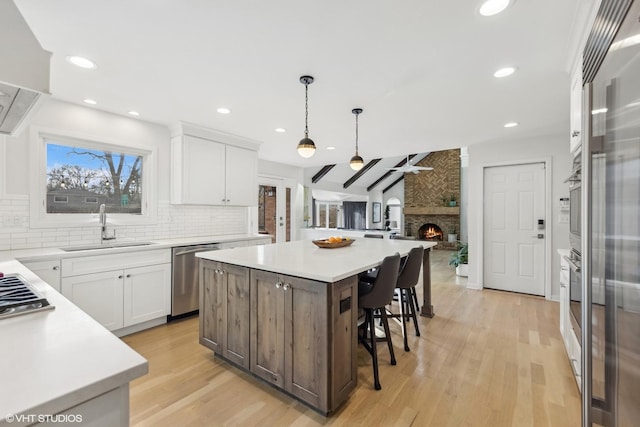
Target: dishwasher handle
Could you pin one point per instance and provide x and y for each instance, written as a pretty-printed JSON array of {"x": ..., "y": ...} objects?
[{"x": 192, "y": 250}]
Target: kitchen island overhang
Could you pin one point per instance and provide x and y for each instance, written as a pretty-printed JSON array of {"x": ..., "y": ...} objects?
[{"x": 250, "y": 300}]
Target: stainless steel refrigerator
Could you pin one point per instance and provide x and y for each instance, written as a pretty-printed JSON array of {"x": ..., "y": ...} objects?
[{"x": 611, "y": 224}]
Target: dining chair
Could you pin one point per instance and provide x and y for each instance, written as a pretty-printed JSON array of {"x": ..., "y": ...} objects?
[{"x": 372, "y": 297}]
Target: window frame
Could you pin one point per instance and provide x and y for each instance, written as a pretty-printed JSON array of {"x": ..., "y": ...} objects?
[{"x": 39, "y": 218}]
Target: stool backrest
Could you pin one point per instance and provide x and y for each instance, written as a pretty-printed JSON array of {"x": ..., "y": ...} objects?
[
  {"x": 374, "y": 236},
  {"x": 384, "y": 285},
  {"x": 410, "y": 272}
]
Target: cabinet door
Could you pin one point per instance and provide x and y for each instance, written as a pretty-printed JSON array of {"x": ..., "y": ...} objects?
[
  {"x": 267, "y": 327},
  {"x": 146, "y": 293},
  {"x": 306, "y": 339},
  {"x": 99, "y": 295},
  {"x": 213, "y": 295},
  {"x": 203, "y": 171},
  {"x": 241, "y": 177},
  {"x": 236, "y": 336},
  {"x": 49, "y": 271}
]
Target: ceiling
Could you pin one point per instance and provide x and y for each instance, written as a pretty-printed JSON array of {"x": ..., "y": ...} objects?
[{"x": 422, "y": 70}]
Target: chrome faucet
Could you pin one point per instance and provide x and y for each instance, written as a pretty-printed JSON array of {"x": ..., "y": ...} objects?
[{"x": 103, "y": 225}]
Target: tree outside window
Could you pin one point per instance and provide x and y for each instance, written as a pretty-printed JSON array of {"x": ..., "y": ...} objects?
[{"x": 86, "y": 178}]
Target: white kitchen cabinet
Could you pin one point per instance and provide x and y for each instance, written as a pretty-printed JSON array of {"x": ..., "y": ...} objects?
[
  {"x": 146, "y": 295},
  {"x": 210, "y": 168},
  {"x": 571, "y": 343},
  {"x": 136, "y": 288},
  {"x": 576, "y": 107},
  {"x": 100, "y": 295},
  {"x": 49, "y": 271}
]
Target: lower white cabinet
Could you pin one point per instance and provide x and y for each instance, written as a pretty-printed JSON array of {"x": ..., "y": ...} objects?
[
  {"x": 49, "y": 271},
  {"x": 120, "y": 297},
  {"x": 571, "y": 343}
]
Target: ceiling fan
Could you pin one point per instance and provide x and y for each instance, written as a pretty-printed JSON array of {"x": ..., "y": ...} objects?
[{"x": 409, "y": 168}]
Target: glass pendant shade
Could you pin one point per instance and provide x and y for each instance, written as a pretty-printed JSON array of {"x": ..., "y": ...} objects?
[
  {"x": 306, "y": 147},
  {"x": 356, "y": 163}
]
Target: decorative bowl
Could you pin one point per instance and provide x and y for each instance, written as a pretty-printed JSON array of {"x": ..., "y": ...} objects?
[{"x": 331, "y": 245}]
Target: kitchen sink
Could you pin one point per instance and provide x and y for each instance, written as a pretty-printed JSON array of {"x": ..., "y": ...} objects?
[{"x": 105, "y": 246}]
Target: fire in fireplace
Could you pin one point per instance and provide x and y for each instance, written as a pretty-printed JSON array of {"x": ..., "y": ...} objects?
[{"x": 430, "y": 231}]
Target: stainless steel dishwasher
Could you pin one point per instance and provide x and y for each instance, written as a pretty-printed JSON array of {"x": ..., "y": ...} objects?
[{"x": 184, "y": 280}]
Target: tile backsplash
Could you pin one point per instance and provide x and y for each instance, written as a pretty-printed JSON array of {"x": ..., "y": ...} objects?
[{"x": 173, "y": 221}]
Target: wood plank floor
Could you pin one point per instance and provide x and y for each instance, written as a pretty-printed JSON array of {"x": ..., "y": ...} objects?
[{"x": 488, "y": 358}]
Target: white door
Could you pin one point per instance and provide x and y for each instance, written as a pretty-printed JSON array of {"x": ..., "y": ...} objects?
[
  {"x": 274, "y": 209},
  {"x": 514, "y": 243}
]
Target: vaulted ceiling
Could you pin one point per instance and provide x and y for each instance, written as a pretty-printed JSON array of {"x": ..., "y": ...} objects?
[{"x": 422, "y": 70}]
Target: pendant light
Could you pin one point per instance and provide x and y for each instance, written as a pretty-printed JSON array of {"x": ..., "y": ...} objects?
[
  {"x": 306, "y": 147},
  {"x": 356, "y": 162}
]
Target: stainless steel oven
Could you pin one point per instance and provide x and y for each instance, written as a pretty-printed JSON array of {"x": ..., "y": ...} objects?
[
  {"x": 575, "y": 291},
  {"x": 575, "y": 202}
]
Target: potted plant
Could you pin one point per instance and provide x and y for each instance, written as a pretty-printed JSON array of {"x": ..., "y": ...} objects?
[
  {"x": 460, "y": 259},
  {"x": 453, "y": 234},
  {"x": 452, "y": 200}
]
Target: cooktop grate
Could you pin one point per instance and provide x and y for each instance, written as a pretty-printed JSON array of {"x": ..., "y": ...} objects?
[{"x": 18, "y": 297}]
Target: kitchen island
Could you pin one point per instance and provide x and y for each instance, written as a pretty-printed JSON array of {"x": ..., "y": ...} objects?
[{"x": 287, "y": 312}]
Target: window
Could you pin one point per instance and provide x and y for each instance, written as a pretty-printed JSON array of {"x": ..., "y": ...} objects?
[
  {"x": 86, "y": 177},
  {"x": 327, "y": 214},
  {"x": 76, "y": 174}
]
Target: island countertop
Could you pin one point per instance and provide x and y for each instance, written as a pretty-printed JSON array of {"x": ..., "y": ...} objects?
[{"x": 302, "y": 258}]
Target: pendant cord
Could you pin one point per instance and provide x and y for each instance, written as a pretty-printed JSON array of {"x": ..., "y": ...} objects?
[
  {"x": 306, "y": 110},
  {"x": 357, "y": 134}
]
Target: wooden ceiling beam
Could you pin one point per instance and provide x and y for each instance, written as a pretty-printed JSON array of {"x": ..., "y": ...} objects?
[
  {"x": 325, "y": 170},
  {"x": 388, "y": 174},
  {"x": 361, "y": 172}
]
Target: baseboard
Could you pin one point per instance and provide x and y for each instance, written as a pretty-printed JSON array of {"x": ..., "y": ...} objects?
[
  {"x": 472, "y": 285},
  {"x": 140, "y": 326}
]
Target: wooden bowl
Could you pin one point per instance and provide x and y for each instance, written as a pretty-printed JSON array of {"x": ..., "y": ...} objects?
[{"x": 331, "y": 245}]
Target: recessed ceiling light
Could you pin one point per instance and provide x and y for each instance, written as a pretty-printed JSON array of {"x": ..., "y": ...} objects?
[
  {"x": 89, "y": 101},
  {"x": 223, "y": 110},
  {"x": 280, "y": 130},
  {"x": 3, "y": 94},
  {"x": 504, "y": 72},
  {"x": 331, "y": 148},
  {"x": 493, "y": 7},
  {"x": 511, "y": 124},
  {"x": 134, "y": 113},
  {"x": 81, "y": 62}
]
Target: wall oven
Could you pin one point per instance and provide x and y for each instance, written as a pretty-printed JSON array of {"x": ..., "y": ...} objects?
[
  {"x": 575, "y": 291},
  {"x": 575, "y": 202}
]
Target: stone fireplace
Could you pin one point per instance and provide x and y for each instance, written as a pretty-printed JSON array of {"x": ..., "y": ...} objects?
[{"x": 429, "y": 213}]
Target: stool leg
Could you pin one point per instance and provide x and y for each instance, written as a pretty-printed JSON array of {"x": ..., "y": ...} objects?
[
  {"x": 374, "y": 351},
  {"x": 385, "y": 323},
  {"x": 403, "y": 316},
  {"x": 414, "y": 309}
]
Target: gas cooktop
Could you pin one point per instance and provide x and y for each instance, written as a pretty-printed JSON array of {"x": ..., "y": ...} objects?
[{"x": 18, "y": 297}]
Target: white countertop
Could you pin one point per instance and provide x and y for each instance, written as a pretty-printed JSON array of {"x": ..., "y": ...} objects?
[
  {"x": 38, "y": 254},
  {"x": 302, "y": 258},
  {"x": 55, "y": 359}
]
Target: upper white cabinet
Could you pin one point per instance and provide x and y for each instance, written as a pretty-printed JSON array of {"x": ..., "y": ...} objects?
[
  {"x": 576, "y": 107},
  {"x": 211, "y": 168}
]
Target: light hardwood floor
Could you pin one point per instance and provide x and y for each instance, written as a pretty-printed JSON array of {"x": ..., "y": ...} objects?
[{"x": 488, "y": 358}]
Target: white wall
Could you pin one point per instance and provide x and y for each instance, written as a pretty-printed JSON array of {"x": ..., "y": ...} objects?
[
  {"x": 171, "y": 221},
  {"x": 555, "y": 147}
]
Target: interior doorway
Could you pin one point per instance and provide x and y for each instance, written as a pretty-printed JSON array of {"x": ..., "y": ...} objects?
[
  {"x": 274, "y": 210},
  {"x": 514, "y": 230}
]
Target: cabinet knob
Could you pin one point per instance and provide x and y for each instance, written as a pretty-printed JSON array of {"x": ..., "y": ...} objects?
[
  {"x": 128, "y": 275},
  {"x": 120, "y": 276},
  {"x": 278, "y": 285},
  {"x": 286, "y": 286},
  {"x": 56, "y": 268}
]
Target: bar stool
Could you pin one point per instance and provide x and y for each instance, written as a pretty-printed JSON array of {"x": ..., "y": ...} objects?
[
  {"x": 406, "y": 284},
  {"x": 374, "y": 296}
]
